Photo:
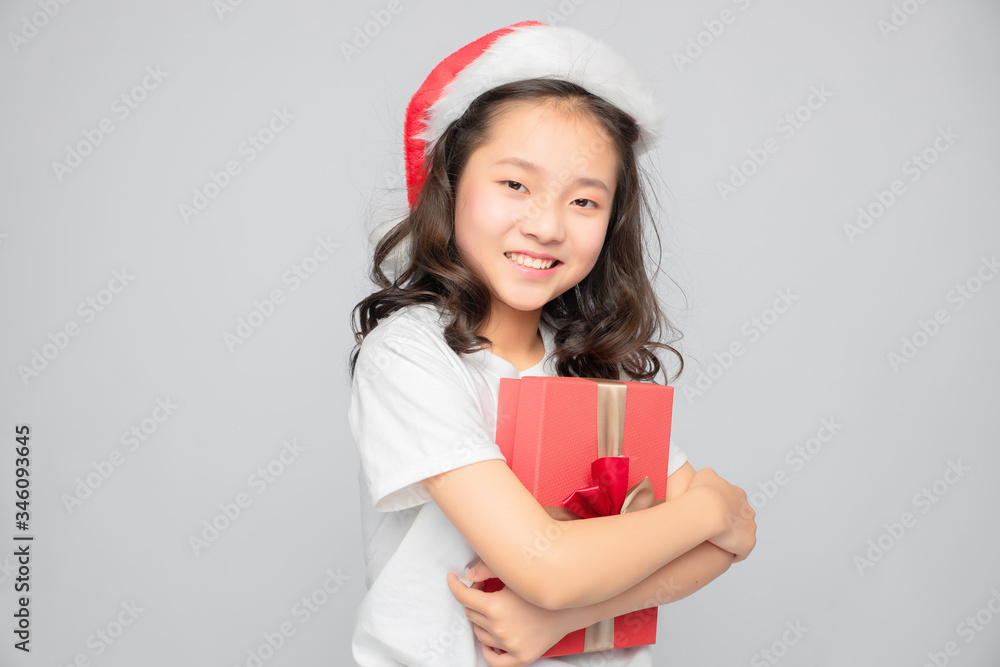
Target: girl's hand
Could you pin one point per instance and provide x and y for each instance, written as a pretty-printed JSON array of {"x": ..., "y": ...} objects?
[
  {"x": 739, "y": 533},
  {"x": 505, "y": 621}
]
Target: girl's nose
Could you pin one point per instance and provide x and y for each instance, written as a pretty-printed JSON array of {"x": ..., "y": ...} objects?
[{"x": 543, "y": 219}]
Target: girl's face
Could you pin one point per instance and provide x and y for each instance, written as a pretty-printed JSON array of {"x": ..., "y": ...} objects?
[{"x": 539, "y": 193}]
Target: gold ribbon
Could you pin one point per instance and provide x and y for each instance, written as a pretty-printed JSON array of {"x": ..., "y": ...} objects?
[{"x": 600, "y": 636}]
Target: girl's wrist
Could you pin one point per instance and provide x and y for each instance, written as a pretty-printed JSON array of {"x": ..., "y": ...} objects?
[
  {"x": 575, "y": 618},
  {"x": 704, "y": 511},
  {"x": 710, "y": 510}
]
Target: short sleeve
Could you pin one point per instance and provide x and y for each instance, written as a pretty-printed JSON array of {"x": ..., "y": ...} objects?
[
  {"x": 676, "y": 458},
  {"x": 414, "y": 413}
]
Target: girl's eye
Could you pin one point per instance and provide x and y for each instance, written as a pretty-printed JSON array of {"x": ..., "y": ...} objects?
[
  {"x": 590, "y": 200},
  {"x": 516, "y": 184}
]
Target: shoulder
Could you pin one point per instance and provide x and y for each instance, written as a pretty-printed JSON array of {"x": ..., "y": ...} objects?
[
  {"x": 407, "y": 350},
  {"x": 410, "y": 338},
  {"x": 417, "y": 324}
]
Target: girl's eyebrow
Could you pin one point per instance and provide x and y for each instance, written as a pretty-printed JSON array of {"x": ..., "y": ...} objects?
[{"x": 527, "y": 165}]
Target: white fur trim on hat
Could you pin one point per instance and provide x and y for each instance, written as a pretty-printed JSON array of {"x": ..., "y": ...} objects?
[{"x": 560, "y": 52}]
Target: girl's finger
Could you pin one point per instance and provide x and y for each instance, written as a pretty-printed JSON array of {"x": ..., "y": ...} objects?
[
  {"x": 479, "y": 572},
  {"x": 484, "y": 636},
  {"x": 466, "y": 596},
  {"x": 491, "y": 656},
  {"x": 478, "y": 618},
  {"x": 494, "y": 659}
]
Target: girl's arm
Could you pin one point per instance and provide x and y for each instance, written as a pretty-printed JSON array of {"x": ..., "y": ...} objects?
[
  {"x": 559, "y": 564},
  {"x": 674, "y": 581},
  {"x": 506, "y": 621},
  {"x": 525, "y": 631}
]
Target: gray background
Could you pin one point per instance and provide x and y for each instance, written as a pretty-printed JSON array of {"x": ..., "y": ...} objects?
[{"x": 339, "y": 159}]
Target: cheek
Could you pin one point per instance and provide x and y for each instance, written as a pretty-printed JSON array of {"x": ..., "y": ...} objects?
[
  {"x": 472, "y": 232},
  {"x": 588, "y": 248},
  {"x": 593, "y": 242},
  {"x": 485, "y": 218}
]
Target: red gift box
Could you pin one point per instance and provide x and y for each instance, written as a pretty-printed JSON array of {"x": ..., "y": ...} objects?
[{"x": 557, "y": 434}]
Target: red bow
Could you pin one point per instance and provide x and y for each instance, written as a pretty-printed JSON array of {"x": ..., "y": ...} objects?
[{"x": 609, "y": 474}]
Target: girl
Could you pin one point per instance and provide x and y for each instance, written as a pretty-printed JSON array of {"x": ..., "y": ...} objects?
[{"x": 521, "y": 255}]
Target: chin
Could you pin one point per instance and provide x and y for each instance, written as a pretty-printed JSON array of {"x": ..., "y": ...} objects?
[{"x": 525, "y": 305}]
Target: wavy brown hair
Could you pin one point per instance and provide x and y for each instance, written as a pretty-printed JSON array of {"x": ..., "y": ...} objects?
[{"x": 608, "y": 323}]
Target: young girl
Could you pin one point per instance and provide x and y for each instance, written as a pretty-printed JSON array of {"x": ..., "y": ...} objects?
[{"x": 521, "y": 255}]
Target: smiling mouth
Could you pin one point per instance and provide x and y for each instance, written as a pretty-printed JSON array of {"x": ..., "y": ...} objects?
[{"x": 531, "y": 262}]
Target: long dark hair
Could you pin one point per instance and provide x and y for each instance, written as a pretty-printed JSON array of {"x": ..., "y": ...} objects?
[{"x": 608, "y": 323}]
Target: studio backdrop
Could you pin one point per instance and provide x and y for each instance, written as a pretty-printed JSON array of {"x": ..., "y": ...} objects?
[{"x": 188, "y": 190}]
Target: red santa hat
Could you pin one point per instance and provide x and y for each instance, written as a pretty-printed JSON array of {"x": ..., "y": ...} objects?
[{"x": 524, "y": 50}]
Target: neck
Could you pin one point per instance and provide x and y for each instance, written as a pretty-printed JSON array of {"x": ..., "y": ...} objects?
[{"x": 515, "y": 335}]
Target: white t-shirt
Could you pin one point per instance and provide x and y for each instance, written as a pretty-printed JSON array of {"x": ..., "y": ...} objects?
[{"x": 418, "y": 409}]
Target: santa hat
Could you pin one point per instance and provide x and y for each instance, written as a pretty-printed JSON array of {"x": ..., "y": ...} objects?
[{"x": 525, "y": 50}]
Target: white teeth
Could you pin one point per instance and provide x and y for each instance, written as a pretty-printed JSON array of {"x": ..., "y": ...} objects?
[{"x": 531, "y": 262}]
